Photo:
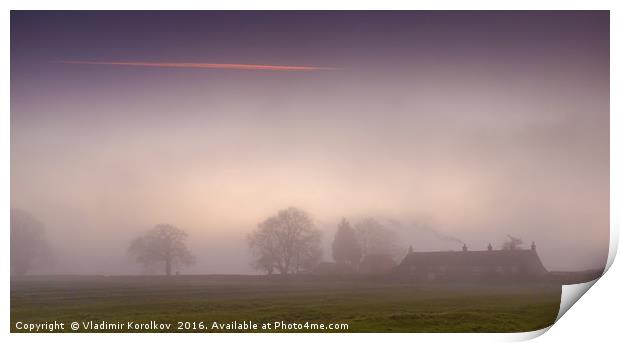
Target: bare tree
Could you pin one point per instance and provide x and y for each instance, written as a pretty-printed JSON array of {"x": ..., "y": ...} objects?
[
  {"x": 263, "y": 245},
  {"x": 162, "y": 245},
  {"x": 346, "y": 248},
  {"x": 287, "y": 243},
  {"x": 513, "y": 243},
  {"x": 29, "y": 247},
  {"x": 375, "y": 238},
  {"x": 307, "y": 252}
]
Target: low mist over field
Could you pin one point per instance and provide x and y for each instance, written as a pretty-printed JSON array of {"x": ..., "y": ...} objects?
[{"x": 446, "y": 128}]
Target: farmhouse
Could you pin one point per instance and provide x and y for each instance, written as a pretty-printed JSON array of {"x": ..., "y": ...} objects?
[{"x": 465, "y": 264}]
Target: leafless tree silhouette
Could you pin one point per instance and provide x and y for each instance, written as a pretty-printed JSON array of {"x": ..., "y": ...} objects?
[
  {"x": 287, "y": 243},
  {"x": 29, "y": 246},
  {"x": 162, "y": 245},
  {"x": 374, "y": 238}
]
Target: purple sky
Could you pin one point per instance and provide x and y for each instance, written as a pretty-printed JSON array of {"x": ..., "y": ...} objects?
[{"x": 482, "y": 124}]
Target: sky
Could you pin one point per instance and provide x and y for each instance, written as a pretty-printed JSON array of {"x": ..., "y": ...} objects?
[{"x": 477, "y": 124}]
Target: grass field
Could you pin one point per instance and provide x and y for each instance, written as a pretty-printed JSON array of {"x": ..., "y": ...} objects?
[{"x": 365, "y": 306}]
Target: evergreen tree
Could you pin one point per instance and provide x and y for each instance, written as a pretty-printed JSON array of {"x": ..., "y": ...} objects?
[{"x": 346, "y": 248}]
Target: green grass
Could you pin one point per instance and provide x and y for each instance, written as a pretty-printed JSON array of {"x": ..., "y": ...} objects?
[{"x": 366, "y": 306}]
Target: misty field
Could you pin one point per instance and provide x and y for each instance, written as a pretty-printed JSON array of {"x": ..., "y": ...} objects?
[{"x": 366, "y": 306}]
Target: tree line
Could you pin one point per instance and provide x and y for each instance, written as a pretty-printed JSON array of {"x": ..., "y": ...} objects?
[{"x": 287, "y": 242}]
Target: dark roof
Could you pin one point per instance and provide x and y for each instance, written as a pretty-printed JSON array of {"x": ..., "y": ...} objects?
[{"x": 484, "y": 259}]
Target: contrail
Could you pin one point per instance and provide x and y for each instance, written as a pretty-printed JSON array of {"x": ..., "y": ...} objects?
[{"x": 202, "y": 65}]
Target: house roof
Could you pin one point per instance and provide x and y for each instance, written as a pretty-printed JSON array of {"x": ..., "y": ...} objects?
[{"x": 484, "y": 259}]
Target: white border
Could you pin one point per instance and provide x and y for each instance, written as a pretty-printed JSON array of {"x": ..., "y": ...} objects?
[{"x": 598, "y": 311}]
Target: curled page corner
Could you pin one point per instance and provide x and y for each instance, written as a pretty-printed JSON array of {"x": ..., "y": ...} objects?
[
  {"x": 572, "y": 293},
  {"x": 526, "y": 336},
  {"x": 613, "y": 247}
]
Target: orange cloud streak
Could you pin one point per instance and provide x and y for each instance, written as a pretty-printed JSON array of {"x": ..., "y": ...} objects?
[{"x": 204, "y": 65}]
